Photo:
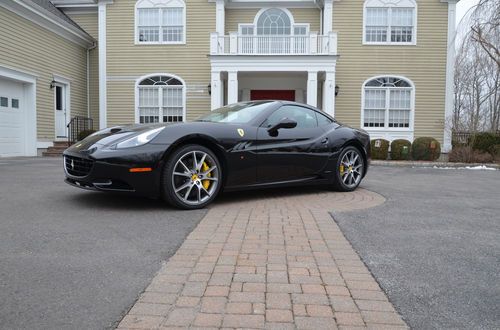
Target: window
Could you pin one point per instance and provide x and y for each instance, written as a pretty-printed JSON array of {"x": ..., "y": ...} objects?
[
  {"x": 394, "y": 24},
  {"x": 388, "y": 103},
  {"x": 160, "y": 22},
  {"x": 160, "y": 99},
  {"x": 305, "y": 118},
  {"x": 323, "y": 120},
  {"x": 15, "y": 103},
  {"x": 274, "y": 21},
  {"x": 4, "y": 102}
]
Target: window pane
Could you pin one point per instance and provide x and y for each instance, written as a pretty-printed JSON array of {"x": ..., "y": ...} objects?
[
  {"x": 15, "y": 103},
  {"x": 400, "y": 99},
  {"x": 149, "y": 115},
  {"x": 300, "y": 30},
  {"x": 59, "y": 98},
  {"x": 323, "y": 120},
  {"x": 148, "y": 97},
  {"x": 4, "y": 102},
  {"x": 274, "y": 22},
  {"x": 375, "y": 99},
  {"x": 173, "y": 16},
  {"x": 173, "y": 33},
  {"x": 149, "y": 34},
  {"x": 377, "y": 16},
  {"x": 401, "y": 34},
  {"x": 402, "y": 17},
  {"x": 399, "y": 118},
  {"x": 247, "y": 30},
  {"x": 376, "y": 34},
  {"x": 304, "y": 117},
  {"x": 149, "y": 17},
  {"x": 374, "y": 118}
]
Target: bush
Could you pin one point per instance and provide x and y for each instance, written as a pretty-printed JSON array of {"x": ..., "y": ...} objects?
[
  {"x": 400, "y": 149},
  {"x": 426, "y": 148},
  {"x": 485, "y": 141},
  {"x": 469, "y": 155},
  {"x": 495, "y": 152},
  {"x": 83, "y": 134},
  {"x": 380, "y": 149}
]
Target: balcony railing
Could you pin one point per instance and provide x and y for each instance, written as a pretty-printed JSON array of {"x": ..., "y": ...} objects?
[{"x": 235, "y": 44}]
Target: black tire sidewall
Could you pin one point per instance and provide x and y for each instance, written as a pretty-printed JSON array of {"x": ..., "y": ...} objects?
[
  {"x": 167, "y": 187},
  {"x": 339, "y": 184}
]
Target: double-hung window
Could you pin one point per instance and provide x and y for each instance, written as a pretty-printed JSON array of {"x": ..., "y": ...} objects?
[
  {"x": 388, "y": 103},
  {"x": 395, "y": 24},
  {"x": 160, "y": 22}
]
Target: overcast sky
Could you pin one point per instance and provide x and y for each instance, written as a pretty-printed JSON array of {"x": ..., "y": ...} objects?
[{"x": 463, "y": 6}]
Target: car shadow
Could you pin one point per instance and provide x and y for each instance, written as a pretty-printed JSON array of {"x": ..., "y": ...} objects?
[{"x": 260, "y": 194}]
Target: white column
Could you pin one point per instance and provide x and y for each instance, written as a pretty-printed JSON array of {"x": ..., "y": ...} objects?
[
  {"x": 299, "y": 95},
  {"x": 232, "y": 87},
  {"x": 102, "y": 64},
  {"x": 327, "y": 17},
  {"x": 329, "y": 93},
  {"x": 450, "y": 72},
  {"x": 216, "y": 84},
  {"x": 246, "y": 95},
  {"x": 220, "y": 17},
  {"x": 312, "y": 88}
]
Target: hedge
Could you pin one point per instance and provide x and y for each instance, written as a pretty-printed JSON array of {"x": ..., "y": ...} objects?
[
  {"x": 426, "y": 148},
  {"x": 400, "y": 149},
  {"x": 380, "y": 149}
]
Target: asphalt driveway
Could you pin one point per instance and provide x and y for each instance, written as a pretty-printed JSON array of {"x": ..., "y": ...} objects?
[
  {"x": 72, "y": 259},
  {"x": 434, "y": 246}
]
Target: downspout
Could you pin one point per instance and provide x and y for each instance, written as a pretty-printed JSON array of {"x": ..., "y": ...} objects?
[{"x": 88, "y": 77}]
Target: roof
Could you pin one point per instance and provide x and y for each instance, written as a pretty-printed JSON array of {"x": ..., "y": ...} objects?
[{"x": 47, "y": 5}]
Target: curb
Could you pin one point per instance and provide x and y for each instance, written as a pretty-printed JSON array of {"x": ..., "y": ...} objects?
[{"x": 398, "y": 163}]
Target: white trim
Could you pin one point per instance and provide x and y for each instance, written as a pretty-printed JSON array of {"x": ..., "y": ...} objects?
[
  {"x": 263, "y": 10},
  {"x": 312, "y": 88},
  {"x": 47, "y": 20},
  {"x": 253, "y": 4},
  {"x": 265, "y": 63},
  {"x": 220, "y": 17},
  {"x": 388, "y": 130},
  {"x": 136, "y": 92},
  {"x": 391, "y": 4},
  {"x": 30, "y": 105},
  {"x": 152, "y": 4},
  {"x": 449, "y": 103},
  {"x": 44, "y": 144},
  {"x": 102, "y": 65}
]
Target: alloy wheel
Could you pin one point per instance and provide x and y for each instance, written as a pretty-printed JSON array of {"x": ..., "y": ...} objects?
[
  {"x": 195, "y": 177},
  {"x": 351, "y": 168}
]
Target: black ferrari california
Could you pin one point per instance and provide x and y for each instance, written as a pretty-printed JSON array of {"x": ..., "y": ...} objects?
[{"x": 240, "y": 146}]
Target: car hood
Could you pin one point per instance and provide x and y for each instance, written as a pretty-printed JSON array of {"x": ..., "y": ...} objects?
[{"x": 112, "y": 135}]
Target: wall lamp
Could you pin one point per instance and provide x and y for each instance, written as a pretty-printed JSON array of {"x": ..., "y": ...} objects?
[
  {"x": 209, "y": 88},
  {"x": 52, "y": 84},
  {"x": 337, "y": 89}
]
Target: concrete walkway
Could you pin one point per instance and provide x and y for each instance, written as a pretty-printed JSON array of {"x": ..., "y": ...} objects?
[{"x": 275, "y": 262}]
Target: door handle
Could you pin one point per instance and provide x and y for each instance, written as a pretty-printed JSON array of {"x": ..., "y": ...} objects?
[{"x": 324, "y": 141}]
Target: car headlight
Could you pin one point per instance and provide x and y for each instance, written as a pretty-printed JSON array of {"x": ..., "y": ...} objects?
[{"x": 140, "y": 139}]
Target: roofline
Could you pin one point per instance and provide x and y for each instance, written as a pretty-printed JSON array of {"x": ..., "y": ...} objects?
[{"x": 44, "y": 18}]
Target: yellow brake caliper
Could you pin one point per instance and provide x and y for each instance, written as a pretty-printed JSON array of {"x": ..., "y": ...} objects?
[
  {"x": 341, "y": 169},
  {"x": 204, "y": 168}
]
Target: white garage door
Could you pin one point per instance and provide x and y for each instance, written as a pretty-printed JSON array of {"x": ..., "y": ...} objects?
[{"x": 12, "y": 118}]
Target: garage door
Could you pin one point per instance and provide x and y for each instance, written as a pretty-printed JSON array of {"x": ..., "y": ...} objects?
[{"x": 12, "y": 123}]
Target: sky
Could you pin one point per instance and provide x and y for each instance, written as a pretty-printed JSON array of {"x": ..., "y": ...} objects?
[{"x": 462, "y": 8}]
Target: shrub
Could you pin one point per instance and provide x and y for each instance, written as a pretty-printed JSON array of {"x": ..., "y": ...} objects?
[
  {"x": 485, "y": 141},
  {"x": 83, "y": 134},
  {"x": 468, "y": 155},
  {"x": 380, "y": 149},
  {"x": 426, "y": 148},
  {"x": 400, "y": 149},
  {"x": 495, "y": 152}
]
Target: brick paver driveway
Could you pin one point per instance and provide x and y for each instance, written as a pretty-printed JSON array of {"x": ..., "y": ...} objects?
[{"x": 270, "y": 262}]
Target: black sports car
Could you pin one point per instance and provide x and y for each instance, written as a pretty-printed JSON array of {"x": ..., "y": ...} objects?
[{"x": 240, "y": 146}]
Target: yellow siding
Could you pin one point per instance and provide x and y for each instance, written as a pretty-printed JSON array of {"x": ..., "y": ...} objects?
[
  {"x": 424, "y": 64},
  {"x": 300, "y": 15},
  {"x": 89, "y": 23},
  {"x": 130, "y": 61},
  {"x": 28, "y": 47}
]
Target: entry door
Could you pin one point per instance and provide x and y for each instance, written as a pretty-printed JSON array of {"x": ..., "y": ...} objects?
[
  {"x": 285, "y": 95},
  {"x": 60, "y": 108}
]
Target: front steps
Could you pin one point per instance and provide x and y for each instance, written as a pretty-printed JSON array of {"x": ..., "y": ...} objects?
[{"x": 56, "y": 150}]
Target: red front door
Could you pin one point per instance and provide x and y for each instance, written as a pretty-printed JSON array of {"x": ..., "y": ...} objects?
[{"x": 284, "y": 95}]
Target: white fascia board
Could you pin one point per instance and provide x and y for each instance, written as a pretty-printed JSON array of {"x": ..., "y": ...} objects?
[
  {"x": 273, "y": 63},
  {"x": 49, "y": 21},
  {"x": 231, "y": 4}
]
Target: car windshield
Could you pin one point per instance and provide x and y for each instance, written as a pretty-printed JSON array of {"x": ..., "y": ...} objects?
[{"x": 238, "y": 113}]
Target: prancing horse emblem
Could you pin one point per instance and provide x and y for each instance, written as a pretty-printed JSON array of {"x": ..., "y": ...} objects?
[{"x": 241, "y": 132}]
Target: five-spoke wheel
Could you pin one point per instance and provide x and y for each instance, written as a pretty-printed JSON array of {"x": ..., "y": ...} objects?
[
  {"x": 192, "y": 177},
  {"x": 350, "y": 169}
]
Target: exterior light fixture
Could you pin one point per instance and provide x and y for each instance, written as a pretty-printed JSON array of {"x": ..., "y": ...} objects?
[
  {"x": 337, "y": 88},
  {"x": 209, "y": 88},
  {"x": 52, "y": 84}
]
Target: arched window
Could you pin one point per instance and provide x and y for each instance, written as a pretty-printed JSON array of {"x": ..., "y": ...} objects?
[
  {"x": 160, "y": 98},
  {"x": 274, "y": 21},
  {"x": 160, "y": 22},
  {"x": 388, "y": 103},
  {"x": 390, "y": 22}
]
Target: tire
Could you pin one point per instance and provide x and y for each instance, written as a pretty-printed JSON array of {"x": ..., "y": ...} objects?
[
  {"x": 191, "y": 178},
  {"x": 349, "y": 170}
]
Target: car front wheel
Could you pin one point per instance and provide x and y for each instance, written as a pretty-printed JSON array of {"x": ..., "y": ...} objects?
[
  {"x": 350, "y": 169},
  {"x": 191, "y": 177}
]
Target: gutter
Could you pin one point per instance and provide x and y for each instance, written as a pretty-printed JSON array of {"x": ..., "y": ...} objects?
[{"x": 88, "y": 77}]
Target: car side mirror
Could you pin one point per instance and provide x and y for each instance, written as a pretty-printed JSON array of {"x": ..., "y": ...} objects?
[{"x": 283, "y": 123}]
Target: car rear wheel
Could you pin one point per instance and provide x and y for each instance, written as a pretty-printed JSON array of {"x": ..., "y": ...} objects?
[
  {"x": 350, "y": 169},
  {"x": 191, "y": 177}
]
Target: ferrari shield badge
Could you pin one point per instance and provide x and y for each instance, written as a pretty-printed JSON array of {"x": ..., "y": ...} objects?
[{"x": 241, "y": 132}]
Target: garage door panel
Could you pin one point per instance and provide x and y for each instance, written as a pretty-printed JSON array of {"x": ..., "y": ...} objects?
[{"x": 12, "y": 119}]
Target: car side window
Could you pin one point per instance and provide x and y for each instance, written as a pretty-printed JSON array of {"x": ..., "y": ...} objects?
[
  {"x": 323, "y": 120},
  {"x": 305, "y": 118}
]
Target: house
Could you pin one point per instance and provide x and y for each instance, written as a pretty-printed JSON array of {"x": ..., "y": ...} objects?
[{"x": 383, "y": 65}]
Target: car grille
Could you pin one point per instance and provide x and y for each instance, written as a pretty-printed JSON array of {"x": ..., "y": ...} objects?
[{"x": 77, "y": 166}]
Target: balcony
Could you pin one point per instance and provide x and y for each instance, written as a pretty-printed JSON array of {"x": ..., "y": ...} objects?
[{"x": 236, "y": 44}]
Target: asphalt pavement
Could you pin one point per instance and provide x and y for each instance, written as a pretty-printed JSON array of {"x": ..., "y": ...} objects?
[
  {"x": 74, "y": 259},
  {"x": 434, "y": 246}
]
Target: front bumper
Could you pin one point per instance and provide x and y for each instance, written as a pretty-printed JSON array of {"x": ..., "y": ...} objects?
[{"x": 110, "y": 170}]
